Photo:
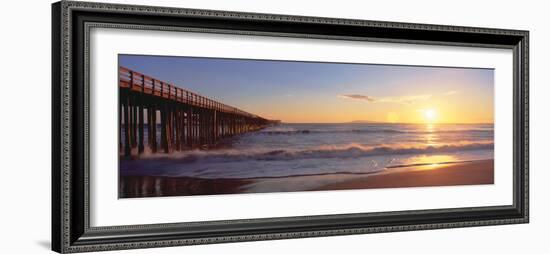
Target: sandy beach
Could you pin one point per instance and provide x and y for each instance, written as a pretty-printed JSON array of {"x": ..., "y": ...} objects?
[
  {"x": 461, "y": 173},
  {"x": 467, "y": 173}
]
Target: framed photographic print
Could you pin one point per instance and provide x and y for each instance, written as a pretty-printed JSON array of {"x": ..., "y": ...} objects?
[{"x": 181, "y": 126}]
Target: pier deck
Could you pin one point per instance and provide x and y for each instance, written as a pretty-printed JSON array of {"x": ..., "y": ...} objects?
[{"x": 186, "y": 119}]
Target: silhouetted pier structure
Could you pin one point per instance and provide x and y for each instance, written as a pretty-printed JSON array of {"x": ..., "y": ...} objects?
[{"x": 187, "y": 120}]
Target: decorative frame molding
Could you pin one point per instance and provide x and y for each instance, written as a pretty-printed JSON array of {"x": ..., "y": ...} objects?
[{"x": 71, "y": 23}]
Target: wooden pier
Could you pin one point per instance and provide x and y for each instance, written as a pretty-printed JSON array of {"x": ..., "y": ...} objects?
[{"x": 186, "y": 120}]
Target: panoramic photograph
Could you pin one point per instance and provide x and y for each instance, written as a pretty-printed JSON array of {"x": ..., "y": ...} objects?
[{"x": 205, "y": 126}]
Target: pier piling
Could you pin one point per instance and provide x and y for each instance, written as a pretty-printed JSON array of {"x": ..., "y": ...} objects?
[{"x": 187, "y": 120}]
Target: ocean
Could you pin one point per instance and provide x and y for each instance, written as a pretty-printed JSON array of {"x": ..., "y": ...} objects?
[{"x": 287, "y": 149}]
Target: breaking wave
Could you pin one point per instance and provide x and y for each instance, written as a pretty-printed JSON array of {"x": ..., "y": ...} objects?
[
  {"x": 306, "y": 131},
  {"x": 350, "y": 151}
]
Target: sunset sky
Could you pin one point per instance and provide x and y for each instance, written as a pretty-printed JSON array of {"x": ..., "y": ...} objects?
[{"x": 311, "y": 92}]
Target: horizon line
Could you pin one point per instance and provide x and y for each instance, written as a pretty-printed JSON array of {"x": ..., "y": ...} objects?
[{"x": 353, "y": 122}]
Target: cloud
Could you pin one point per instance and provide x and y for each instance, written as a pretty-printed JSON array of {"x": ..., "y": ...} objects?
[
  {"x": 452, "y": 92},
  {"x": 408, "y": 99},
  {"x": 357, "y": 97}
]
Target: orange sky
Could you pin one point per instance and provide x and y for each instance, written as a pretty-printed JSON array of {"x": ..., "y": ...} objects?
[{"x": 316, "y": 92}]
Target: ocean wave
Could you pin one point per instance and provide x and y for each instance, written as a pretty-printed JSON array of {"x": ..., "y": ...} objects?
[
  {"x": 307, "y": 131},
  {"x": 345, "y": 152}
]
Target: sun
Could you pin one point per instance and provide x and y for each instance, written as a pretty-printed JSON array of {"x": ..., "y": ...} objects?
[{"x": 430, "y": 115}]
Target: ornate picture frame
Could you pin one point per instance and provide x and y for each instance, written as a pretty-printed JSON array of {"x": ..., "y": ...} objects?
[{"x": 71, "y": 197}]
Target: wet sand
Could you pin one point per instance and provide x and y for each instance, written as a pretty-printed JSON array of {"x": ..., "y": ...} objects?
[
  {"x": 467, "y": 173},
  {"x": 463, "y": 173},
  {"x": 161, "y": 186}
]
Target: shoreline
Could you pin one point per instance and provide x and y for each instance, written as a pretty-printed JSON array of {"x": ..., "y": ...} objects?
[
  {"x": 444, "y": 174},
  {"x": 466, "y": 173}
]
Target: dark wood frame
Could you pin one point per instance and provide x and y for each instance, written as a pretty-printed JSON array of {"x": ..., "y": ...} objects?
[{"x": 71, "y": 22}]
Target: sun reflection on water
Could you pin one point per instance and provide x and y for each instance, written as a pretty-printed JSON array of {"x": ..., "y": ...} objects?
[
  {"x": 430, "y": 136},
  {"x": 431, "y": 161}
]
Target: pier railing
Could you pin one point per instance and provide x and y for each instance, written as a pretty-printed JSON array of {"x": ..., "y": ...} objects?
[
  {"x": 139, "y": 82},
  {"x": 186, "y": 119}
]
